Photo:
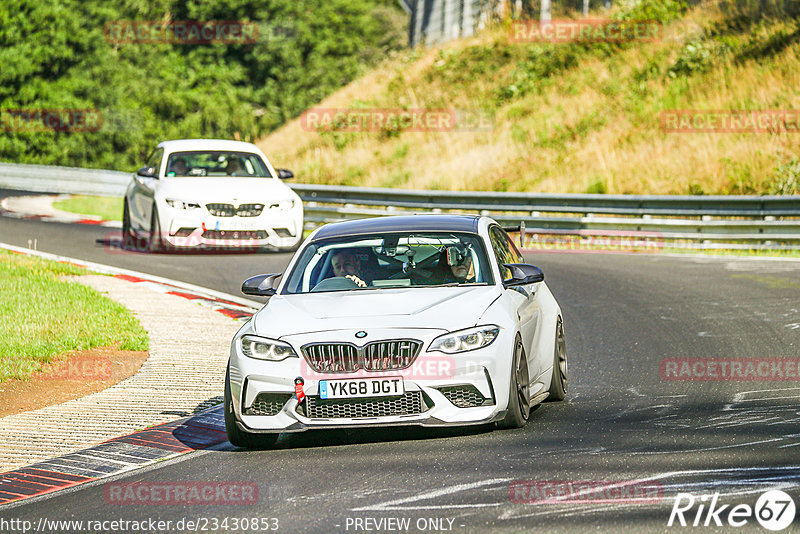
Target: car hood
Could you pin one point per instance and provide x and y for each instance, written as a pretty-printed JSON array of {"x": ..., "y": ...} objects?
[
  {"x": 447, "y": 308},
  {"x": 224, "y": 189}
]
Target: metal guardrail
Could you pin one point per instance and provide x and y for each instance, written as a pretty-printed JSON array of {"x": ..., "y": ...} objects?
[{"x": 771, "y": 222}]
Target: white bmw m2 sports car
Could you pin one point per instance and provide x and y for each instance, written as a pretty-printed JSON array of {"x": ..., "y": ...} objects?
[
  {"x": 430, "y": 320},
  {"x": 211, "y": 193}
]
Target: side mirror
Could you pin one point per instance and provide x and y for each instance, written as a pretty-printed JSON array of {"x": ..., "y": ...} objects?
[
  {"x": 285, "y": 174},
  {"x": 146, "y": 172},
  {"x": 261, "y": 285},
  {"x": 523, "y": 274}
]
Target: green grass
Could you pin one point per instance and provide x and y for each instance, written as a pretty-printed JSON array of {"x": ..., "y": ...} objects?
[
  {"x": 107, "y": 208},
  {"x": 43, "y": 316}
]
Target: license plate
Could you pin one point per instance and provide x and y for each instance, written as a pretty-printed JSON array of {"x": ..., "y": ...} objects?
[
  {"x": 361, "y": 387},
  {"x": 233, "y": 226}
]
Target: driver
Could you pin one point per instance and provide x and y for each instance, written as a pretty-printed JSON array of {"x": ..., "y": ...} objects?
[
  {"x": 178, "y": 167},
  {"x": 345, "y": 263}
]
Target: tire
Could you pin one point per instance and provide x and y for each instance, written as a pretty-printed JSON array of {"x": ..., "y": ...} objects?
[
  {"x": 128, "y": 239},
  {"x": 558, "y": 384},
  {"x": 154, "y": 243},
  {"x": 238, "y": 437},
  {"x": 519, "y": 402}
]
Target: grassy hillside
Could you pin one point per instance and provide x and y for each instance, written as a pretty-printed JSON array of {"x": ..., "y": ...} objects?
[{"x": 577, "y": 117}]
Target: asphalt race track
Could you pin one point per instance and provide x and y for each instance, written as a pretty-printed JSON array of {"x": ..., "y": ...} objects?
[{"x": 624, "y": 425}]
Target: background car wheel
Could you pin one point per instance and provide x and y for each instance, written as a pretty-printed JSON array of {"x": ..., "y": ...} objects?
[
  {"x": 128, "y": 239},
  {"x": 558, "y": 384},
  {"x": 154, "y": 243},
  {"x": 236, "y": 436},
  {"x": 519, "y": 401}
]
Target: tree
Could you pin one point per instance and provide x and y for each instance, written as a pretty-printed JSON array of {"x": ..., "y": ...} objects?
[{"x": 544, "y": 16}]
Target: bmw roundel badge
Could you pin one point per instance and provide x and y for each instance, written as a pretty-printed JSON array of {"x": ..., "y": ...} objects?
[{"x": 361, "y": 334}]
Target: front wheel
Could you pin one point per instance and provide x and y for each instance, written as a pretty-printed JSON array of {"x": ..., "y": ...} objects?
[
  {"x": 154, "y": 243},
  {"x": 558, "y": 384},
  {"x": 519, "y": 399},
  {"x": 238, "y": 437},
  {"x": 127, "y": 233}
]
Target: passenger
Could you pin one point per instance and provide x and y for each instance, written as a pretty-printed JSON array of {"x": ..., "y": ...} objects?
[
  {"x": 234, "y": 167},
  {"x": 454, "y": 267}
]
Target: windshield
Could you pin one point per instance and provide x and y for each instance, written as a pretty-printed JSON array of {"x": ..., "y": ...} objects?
[
  {"x": 429, "y": 259},
  {"x": 216, "y": 163}
]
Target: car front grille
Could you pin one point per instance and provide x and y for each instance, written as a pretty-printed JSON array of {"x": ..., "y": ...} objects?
[
  {"x": 268, "y": 404},
  {"x": 464, "y": 396},
  {"x": 249, "y": 210},
  {"x": 376, "y": 356},
  {"x": 221, "y": 210},
  {"x": 229, "y": 210},
  {"x": 235, "y": 234},
  {"x": 412, "y": 402}
]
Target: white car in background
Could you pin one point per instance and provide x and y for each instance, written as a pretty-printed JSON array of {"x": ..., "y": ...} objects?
[
  {"x": 211, "y": 193},
  {"x": 429, "y": 320}
]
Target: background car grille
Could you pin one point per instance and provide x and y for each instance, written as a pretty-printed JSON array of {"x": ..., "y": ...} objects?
[
  {"x": 464, "y": 396},
  {"x": 249, "y": 210},
  {"x": 376, "y": 356},
  {"x": 268, "y": 404},
  {"x": 235, "y": 234},
  {"x": 229, "y": 210},
  {"x": 409, "y": 404},
  {"x": 221, "y": 210}
]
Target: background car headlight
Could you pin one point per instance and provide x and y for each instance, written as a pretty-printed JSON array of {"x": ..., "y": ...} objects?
[
  {"x": 181, "y": 205},
  {"x": 465, "y": 340},
  {"x": 262, "y": 348}
]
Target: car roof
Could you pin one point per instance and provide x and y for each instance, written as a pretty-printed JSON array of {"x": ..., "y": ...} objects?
[
  {"x": 181, "y": 145},
  {"x": 400, "y": 223}
]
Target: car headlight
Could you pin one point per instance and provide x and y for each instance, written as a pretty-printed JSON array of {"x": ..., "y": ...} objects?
[
  {"x": 283, "y": 205},
  {"x": 465, "y": 340},
  {"x": 262, "y": 348},
  {"x": 182, "y": 205}
]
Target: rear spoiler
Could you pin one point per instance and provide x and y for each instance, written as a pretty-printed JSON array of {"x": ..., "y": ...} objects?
[{"x": 519, "y": 228}]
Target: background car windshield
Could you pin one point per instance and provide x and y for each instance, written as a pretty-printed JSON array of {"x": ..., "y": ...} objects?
[
  {"x": 393, "y": 260},
  {"x": 216, "y": 163}
]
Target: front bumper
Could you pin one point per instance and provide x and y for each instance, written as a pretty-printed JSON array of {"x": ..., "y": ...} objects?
[
  {"x": 440, "y": 390},
  {"x": 198, "y": 228}
]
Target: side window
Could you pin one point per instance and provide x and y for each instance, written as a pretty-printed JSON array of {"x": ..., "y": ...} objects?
[
  {"x": 154, "y": 160},
  {"x": 504, "y": 250},
  {"x": 513, "y": 250}
]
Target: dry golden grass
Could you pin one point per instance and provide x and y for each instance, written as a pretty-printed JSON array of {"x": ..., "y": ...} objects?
[{"x": 593, "y": 127}]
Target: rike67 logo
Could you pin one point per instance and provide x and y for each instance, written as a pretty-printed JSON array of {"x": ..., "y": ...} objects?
[{"x": 774, "y": 510}]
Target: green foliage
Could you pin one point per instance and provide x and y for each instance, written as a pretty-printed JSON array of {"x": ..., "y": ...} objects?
[
  {"x": 655, "y": 10},
  {"x": 697, "y": 56},
  {"x": 56, "y": 56},
  {"x": 786, "y": 180}
]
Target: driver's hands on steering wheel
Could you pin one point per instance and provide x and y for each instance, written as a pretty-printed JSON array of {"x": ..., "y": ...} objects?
[{"x": 358, "y": 281}]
